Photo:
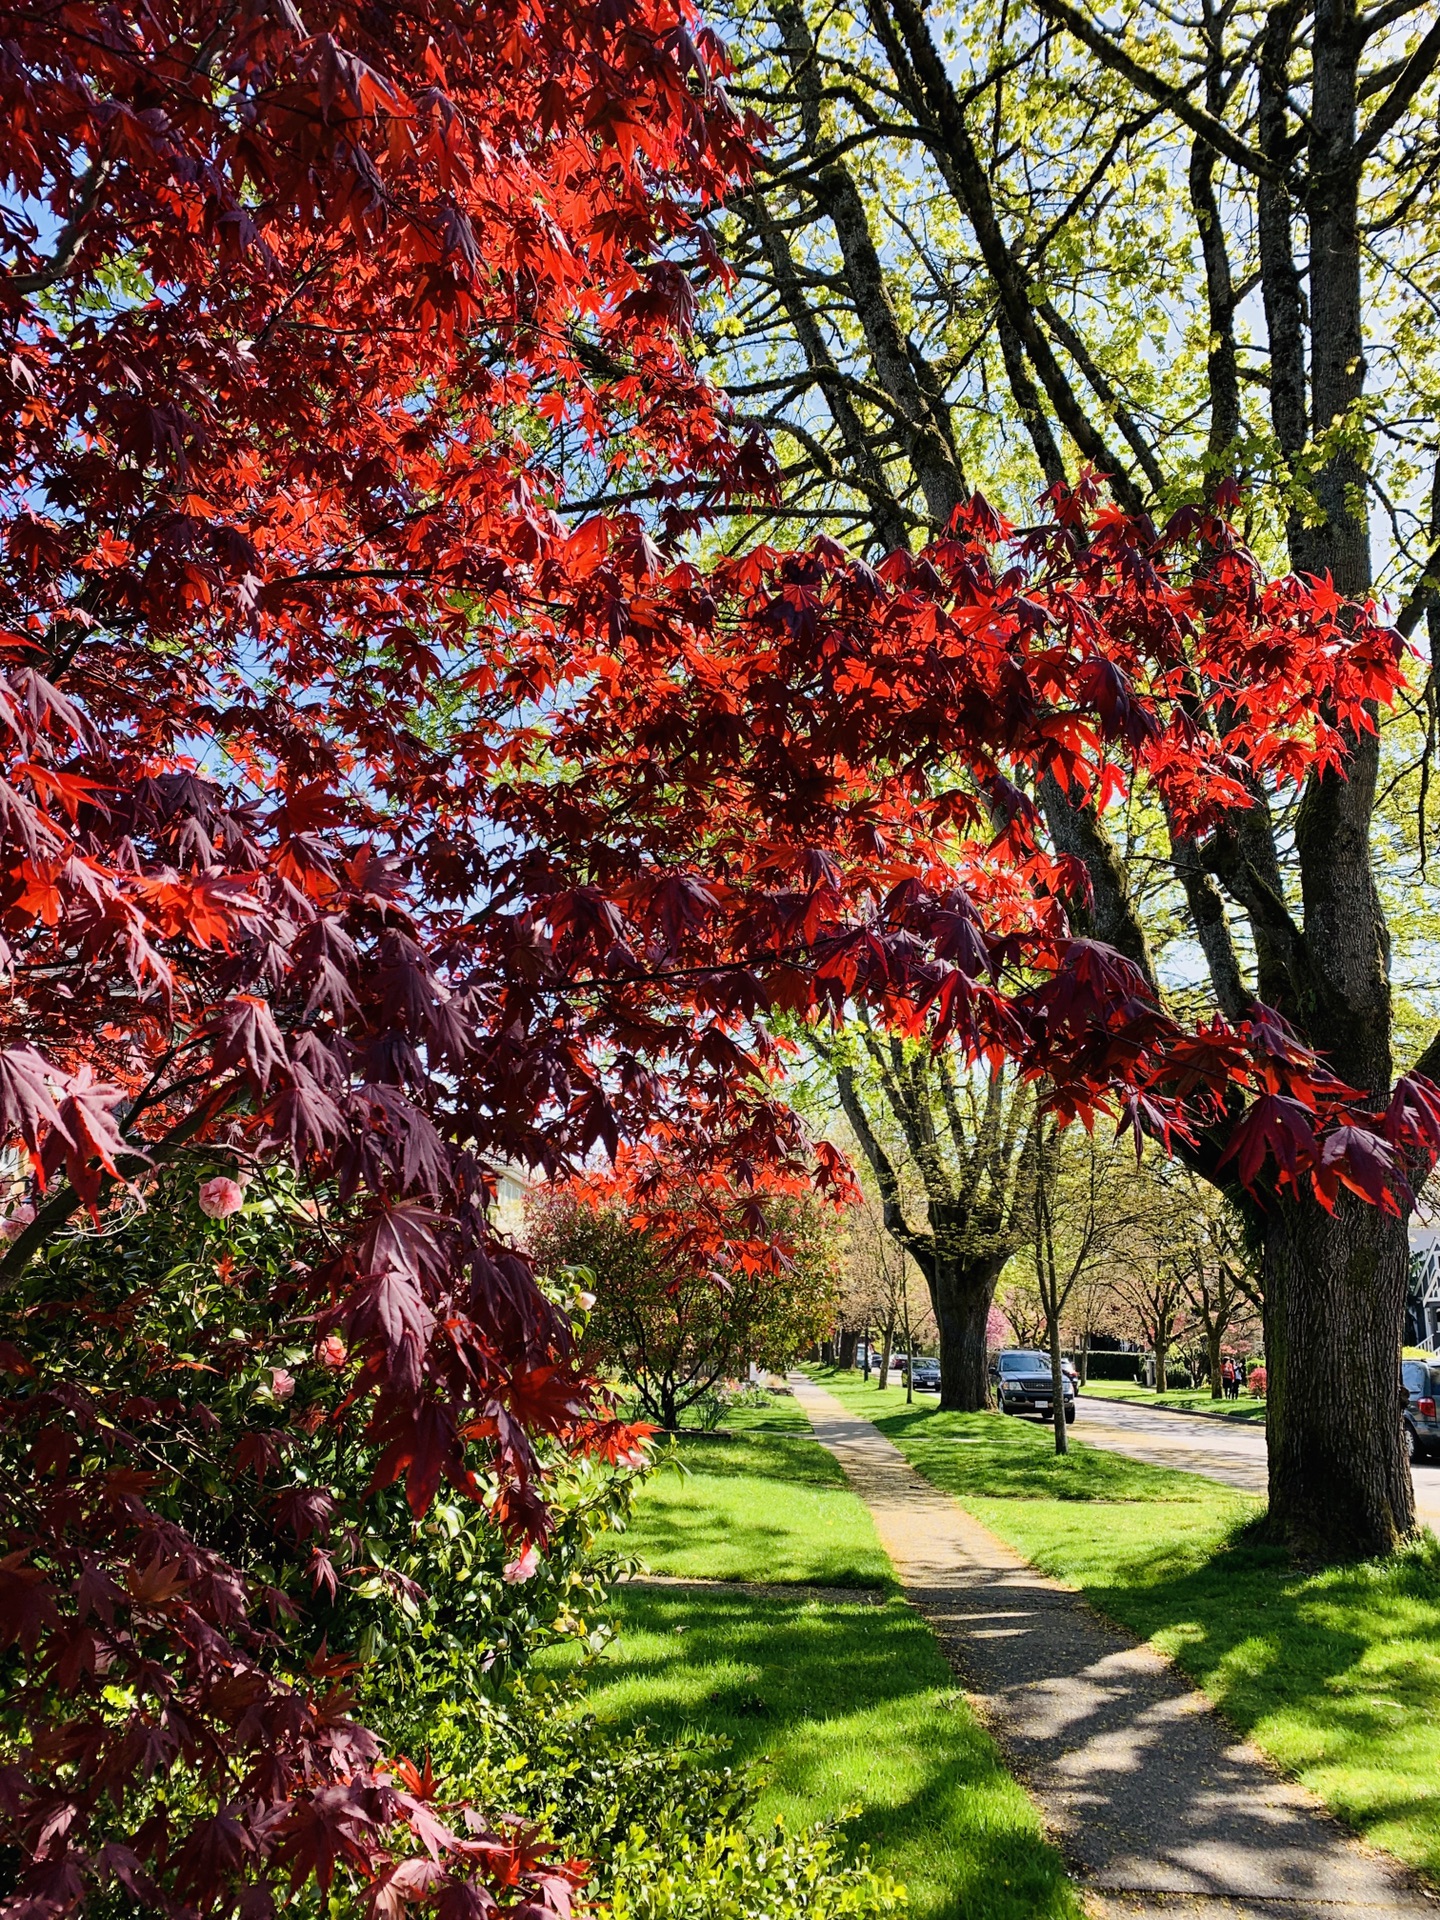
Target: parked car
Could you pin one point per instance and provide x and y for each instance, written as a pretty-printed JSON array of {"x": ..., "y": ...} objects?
[
  {"x": 925, "y": 1373},
  {"x": 1421, "y": 1379},
  {"x": 1024, "y": 1384}
]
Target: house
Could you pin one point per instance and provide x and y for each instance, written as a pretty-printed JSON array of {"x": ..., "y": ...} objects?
[{"x": 1425, "y": 1269}]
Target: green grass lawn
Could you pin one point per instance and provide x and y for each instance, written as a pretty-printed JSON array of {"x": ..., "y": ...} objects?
[
  {"x": 1186, "y": 1400},
  {"x": 834, "y": 1699},
  {"x": 1336, "y": 1673},
  {"x": 760, "y": 1506}
]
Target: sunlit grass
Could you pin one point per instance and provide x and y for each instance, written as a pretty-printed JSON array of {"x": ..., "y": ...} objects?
[
  {"x": 1335, "y": 1673},
  {"x": 837, "y": 1700}
]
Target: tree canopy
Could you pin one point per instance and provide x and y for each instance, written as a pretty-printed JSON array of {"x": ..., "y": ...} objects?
[
  {"x": 396, "y": 783},
  {"x": 1191, "y": 249}
]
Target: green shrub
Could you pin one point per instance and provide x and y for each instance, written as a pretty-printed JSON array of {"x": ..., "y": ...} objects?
[
  {"x": 752, "y": 1398},
  {"x": 706, "y": 1412},
  {"x": 1113, "y": 1366},
  {"x": 731, "y": 1874}
]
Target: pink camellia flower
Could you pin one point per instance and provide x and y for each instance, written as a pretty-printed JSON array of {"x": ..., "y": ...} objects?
[
  {"x": 15, "y": 1224},
  {"x": 220, "y": 1197},
  {"x": 523, "y": 1566},
  {"x": 282, "y": 1384},
  {"x": 331, "y": 1351}
]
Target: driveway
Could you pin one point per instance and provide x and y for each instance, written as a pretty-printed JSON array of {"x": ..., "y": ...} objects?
[{"x": 1220, "y": 1449}]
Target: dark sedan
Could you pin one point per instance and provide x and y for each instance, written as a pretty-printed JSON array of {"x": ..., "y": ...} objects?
[
  {"x": 1023, "y": 1384},
  {"x": 1421, "y": 1420}
]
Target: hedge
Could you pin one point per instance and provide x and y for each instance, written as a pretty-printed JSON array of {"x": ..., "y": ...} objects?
[{"x": 1114, "y": 1366}]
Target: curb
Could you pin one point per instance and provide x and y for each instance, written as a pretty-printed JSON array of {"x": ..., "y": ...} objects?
[{"x": 1182, "y": 1413}]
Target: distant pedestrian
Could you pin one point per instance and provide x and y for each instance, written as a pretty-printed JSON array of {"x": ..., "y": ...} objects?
[{"x": 1227, "y": 1378}]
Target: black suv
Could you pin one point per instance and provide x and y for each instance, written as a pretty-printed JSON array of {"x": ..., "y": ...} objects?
[
  {"x": 1023, "y": 1384},
  {"x": 1422, "y": 1425}
]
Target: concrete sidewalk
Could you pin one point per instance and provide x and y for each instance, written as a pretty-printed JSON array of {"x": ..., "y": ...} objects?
[{"x": 1155, "y": 1804}]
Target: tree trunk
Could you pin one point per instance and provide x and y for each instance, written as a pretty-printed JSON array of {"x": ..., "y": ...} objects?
[
  {"x": 845, "y": 1352},
  {"x": 1334, "y": 1295},
  {"x": 961, "y": 1297},
  {"x": 1057, "y": 1388},
  {"x": 889, "y": 1342},
  {"x": 1161, "y": 1349},
  {"x": 1085, "y": 1358},
  {"x": 1217, "y": 1385}
]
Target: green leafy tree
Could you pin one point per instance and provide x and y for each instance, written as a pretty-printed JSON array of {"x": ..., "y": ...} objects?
[{"x": 1193, "y": 248}]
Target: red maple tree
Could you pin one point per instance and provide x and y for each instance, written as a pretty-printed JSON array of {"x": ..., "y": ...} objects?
[
  {"x": 370, "y": 801},
  {"x": 303, "y": 319}
]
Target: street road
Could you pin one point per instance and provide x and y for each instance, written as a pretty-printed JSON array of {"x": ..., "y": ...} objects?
[{"x": 1224, "y": 1450}]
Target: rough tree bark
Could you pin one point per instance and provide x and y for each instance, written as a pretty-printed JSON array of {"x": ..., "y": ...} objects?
[{"x": 961, "y": 1295}]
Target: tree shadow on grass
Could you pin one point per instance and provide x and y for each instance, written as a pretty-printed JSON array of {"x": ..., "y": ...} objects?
[
  {"x": 833, "y": 1704},
  {"x": 721, "y": 1546},
  {"x": 1335, "y": 1672},
  {"x": 791, "y": 1459}
]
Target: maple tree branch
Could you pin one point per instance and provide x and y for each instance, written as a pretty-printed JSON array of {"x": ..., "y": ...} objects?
[
  {"x": 883, "y": 1167},
  {"x": 1021, "y": 337},
  {"x": 1079, "y": 832},
  {"x": 1369, "y": 24},
  {"x": 1207, "y": 911},
  {"x": 1419, "y": 597},
  {"x": 66, "y": 1200},
  {"x": 71, "y": 234},
  {"x": 911, "y": 1108},
  {"x": 1104, "y": 391},
  {"x": 1175, "y": 98},
  {"x": 1417, "y": 70},
  {"x": 1427, "y": 1063}
]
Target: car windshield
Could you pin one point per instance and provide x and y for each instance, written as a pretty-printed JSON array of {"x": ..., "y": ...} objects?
[{"x": 1024, "y": 1363}]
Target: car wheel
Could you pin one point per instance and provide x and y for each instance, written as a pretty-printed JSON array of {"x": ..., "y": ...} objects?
[
  {"x": 1070, "y": 1414},
  {"x": 1412, "y": 1445}
]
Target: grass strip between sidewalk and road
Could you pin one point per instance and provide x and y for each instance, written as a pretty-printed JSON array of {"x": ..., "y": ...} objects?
[
  {"x": 836, "y": 1696},
  {"x": 1179, "y": 1400},
  {"x": 1335, "y": 1673}
]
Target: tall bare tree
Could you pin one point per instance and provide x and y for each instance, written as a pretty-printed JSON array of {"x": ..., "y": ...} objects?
[
  {"x": 969, "y": 1142},
  {"x": 877, "y": 1288},
  {"x": 1087, "y": 1202},
  {"x": 1221, "y": 1290},
  {"x": 1179, "y": 242}
]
